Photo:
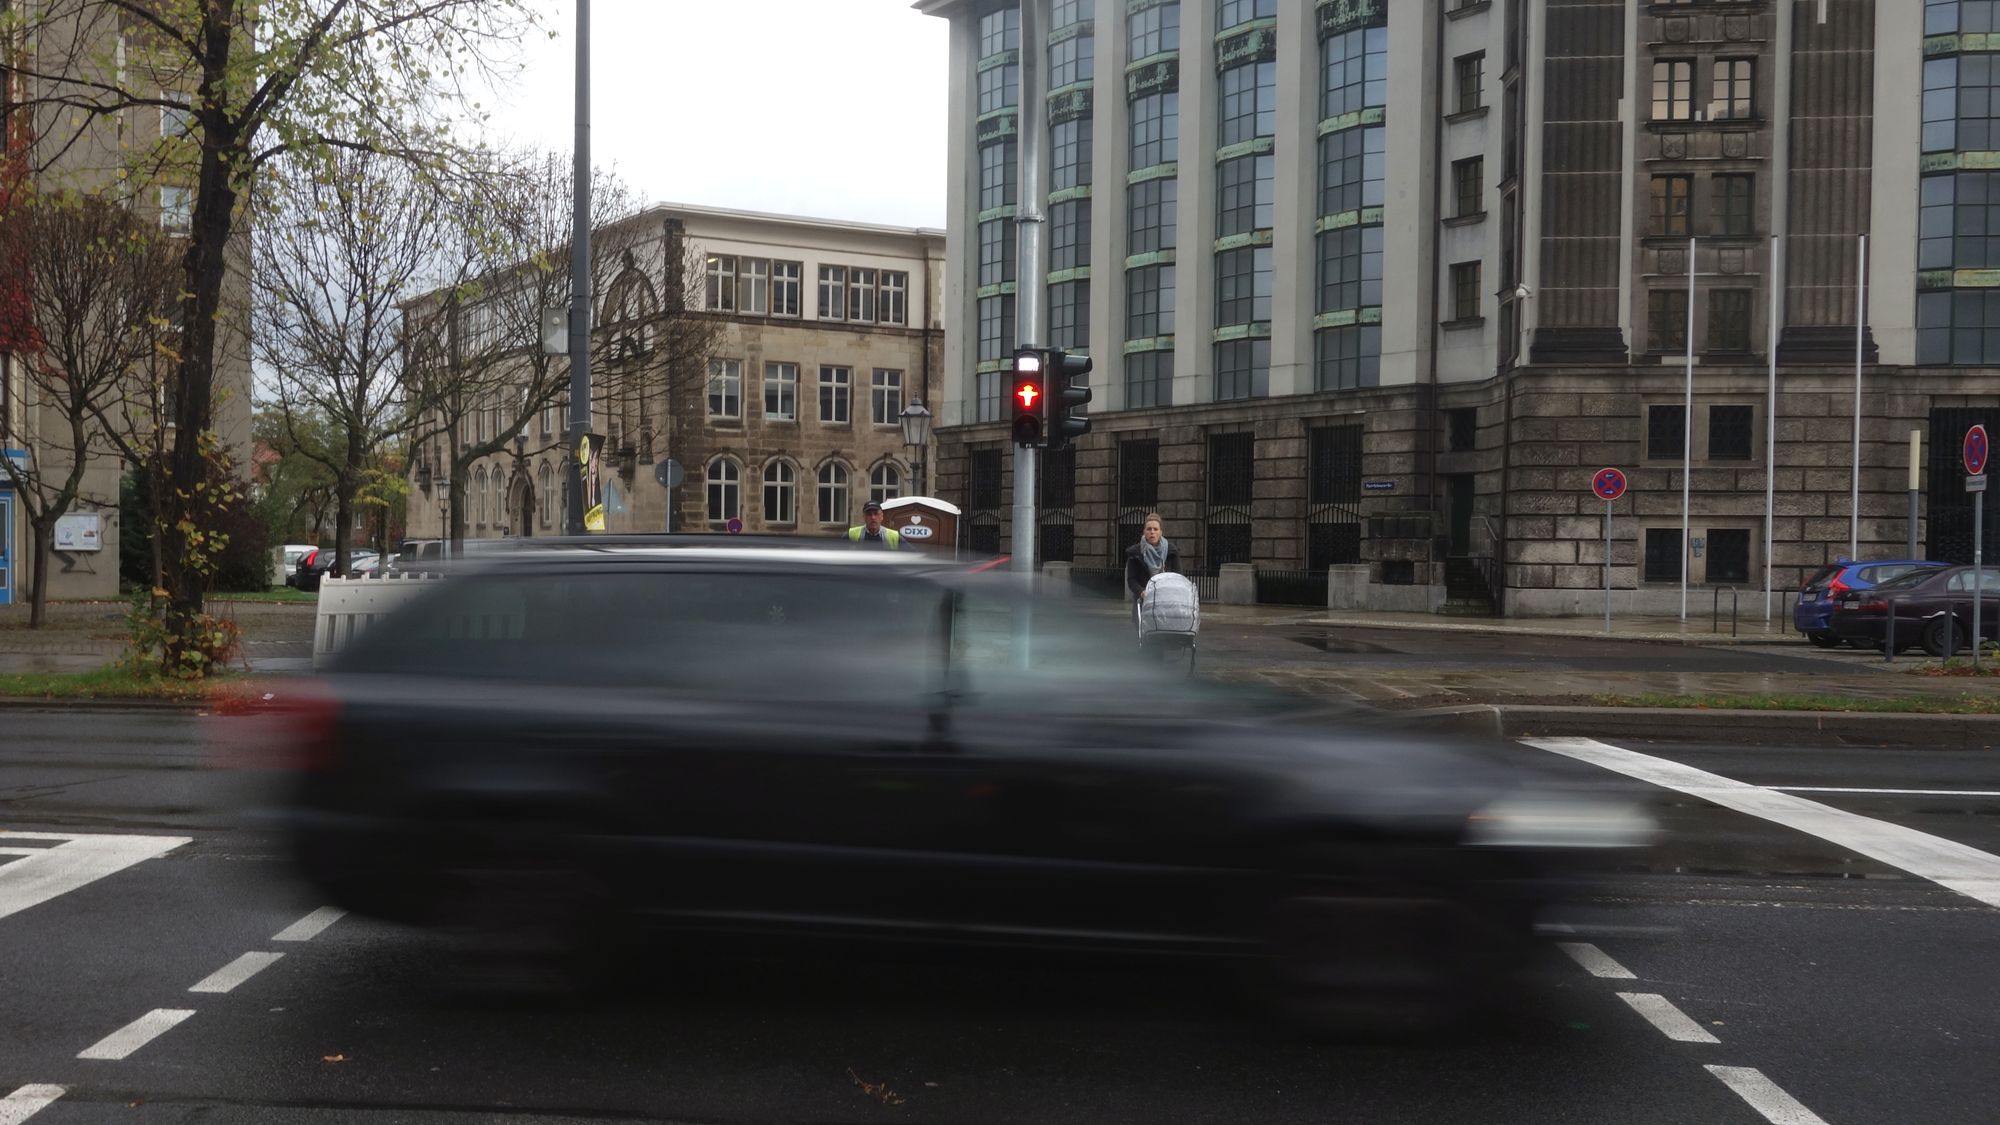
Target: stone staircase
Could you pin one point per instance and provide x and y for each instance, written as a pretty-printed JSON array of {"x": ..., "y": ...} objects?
[{"x": 1465, "y": 592}]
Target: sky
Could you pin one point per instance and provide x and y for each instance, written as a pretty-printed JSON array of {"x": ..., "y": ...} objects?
[{"x": 828, "y": 108}]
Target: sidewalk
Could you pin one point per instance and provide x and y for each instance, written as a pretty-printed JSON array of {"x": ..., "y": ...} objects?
[
  {"x": 1696, "y": 630},
  {"x": 80, "y": 636}
]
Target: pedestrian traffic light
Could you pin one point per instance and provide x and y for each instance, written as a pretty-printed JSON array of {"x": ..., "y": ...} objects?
[
  {"x": 1069, "y": 393},
  {"x": 1029, "y": 396}
]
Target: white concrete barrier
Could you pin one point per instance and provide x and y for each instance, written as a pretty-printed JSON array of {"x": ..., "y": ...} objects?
[{"x": 348, "y": 606}]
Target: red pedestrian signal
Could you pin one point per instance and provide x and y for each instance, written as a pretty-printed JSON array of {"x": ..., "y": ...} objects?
[{"x": 1029, "y": 399}]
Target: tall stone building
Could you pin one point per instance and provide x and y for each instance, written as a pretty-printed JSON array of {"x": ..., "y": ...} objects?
[
  {"x": 1381, "y": 285},
  {"x": 824, "y": 332},
  {"x": 129, "y": 157}
]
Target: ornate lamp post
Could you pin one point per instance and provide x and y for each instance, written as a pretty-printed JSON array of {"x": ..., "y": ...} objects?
[{"x": 916, "y": 419}]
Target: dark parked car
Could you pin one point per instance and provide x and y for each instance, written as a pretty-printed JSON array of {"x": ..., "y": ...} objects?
[
  {"x": 318, "y": 563},
  {"x": 1813, "y": 613},
  {"x": 1933, "y": 608},
  {"x": 845, "y": 746}
]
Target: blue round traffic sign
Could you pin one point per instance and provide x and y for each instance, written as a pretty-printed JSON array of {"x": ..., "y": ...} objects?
[
  {"x": 735, "y": 526},
  {"x": 1975, "y": 450},
  {"x": 1609, "y": 484}
]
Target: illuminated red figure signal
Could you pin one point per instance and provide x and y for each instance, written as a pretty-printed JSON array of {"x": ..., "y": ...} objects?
[{"x": 1027, "y": 396}]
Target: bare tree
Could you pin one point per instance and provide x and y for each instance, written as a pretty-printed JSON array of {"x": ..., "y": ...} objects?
[
  {"x": 338, "y": 258},
  {"x": 100, "y": 287},
  {"x": 250, "y": 82},
  {"x": 478, "y": 370}
]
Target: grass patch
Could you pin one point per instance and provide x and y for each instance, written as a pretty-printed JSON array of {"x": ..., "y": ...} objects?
[
  {"x": 115, "y": 681},
  {"x": 1898, "y": 705},
  {"x": 278, "y": 594}
]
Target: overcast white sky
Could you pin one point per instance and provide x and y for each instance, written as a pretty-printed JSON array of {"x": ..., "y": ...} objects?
[{"x": 828, "y": 108}]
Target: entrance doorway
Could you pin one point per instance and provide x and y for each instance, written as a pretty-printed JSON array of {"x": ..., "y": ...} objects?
[{"x": 1458, "y": 508}]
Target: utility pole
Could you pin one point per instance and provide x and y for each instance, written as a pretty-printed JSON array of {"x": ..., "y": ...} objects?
[
  {"x": 579, "y": 274},
  {"x": 1030, "y": 295}
]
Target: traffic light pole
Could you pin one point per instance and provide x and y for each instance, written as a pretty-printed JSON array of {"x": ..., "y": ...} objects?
[{"x": 1030, "y": 295}]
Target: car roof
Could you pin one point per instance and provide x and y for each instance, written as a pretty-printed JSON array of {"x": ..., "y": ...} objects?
[{"x": 765, "y": 552}]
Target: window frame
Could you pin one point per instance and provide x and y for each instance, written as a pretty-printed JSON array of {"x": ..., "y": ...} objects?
[
  {"x": 885, "y": 396},
  {"x": 724, "y": 398},
  {"x": 786, "y": 385},
  {"x": 836, "y": 390},
  {"x": 1673, "y": 89},
  {"x": 723, "y": 494},
  {"x": 785, "y": 490},
  {"x": 834, "y": 501}
]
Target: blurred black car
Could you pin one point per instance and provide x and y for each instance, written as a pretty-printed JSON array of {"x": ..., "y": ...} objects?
[
  {"x": 751, "y": 742},
  {"x": 1933, "y": 609}
]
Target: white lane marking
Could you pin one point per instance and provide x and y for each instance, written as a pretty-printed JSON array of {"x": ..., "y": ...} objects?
[
  {"x": 236, "y": 972},
  {"x": 1671, "y": 1021},
  {"x": 48, "y": 872},
  {"x": 1887, "y": 792},
  {"x": 27, "y": 1102},
  {"x": 1968, "y": 871},
  {"x": 1595, "y": 961},
  {"x": 136, "y": 1034},
  {"x": 310, "y": 926},
  {"x": 22, "y": 851},
  {"x": 1764, "y": 1096}
]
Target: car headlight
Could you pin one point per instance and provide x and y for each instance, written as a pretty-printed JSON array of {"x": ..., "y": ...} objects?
[{"x": 1527, "y": 822}]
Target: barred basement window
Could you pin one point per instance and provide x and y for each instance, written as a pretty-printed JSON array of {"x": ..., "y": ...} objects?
[
  {"x": 1666, "y": 427},
  {"x": 1139, "y": 473},
  {"x": 1728, "y": 555},
  {"x": 1729, "y": 432},
  {"x": 1663, "y": 554},
  {"x": 985, "y": 473}
]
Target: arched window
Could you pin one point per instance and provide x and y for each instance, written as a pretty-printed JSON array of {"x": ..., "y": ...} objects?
[
  {"x": 885, "y": 482},
  {"x": 725, "y": 490},
  {"x": 833, "y": 493},
  {"x": 479, "y": 496},
  {"x": 548, "y": 504},
  {"x": 781, "y": 493}
]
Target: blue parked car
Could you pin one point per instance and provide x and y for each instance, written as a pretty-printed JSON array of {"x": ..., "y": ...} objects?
[{"x": 1813, "y": 615}]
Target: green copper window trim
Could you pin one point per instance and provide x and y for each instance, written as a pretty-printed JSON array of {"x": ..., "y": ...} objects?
[
  {"x": 1004, "y": 289},
  {"x": 1165, "y": 171},
  {"x": 1155, "y": 258},
  {"x": 1064, "y": 195},
  {"x": 1070, "y": 31},
  {"x": 988, "y": 366},
  {"x": 1009, "y": 56},
  {"x": 1958, "y": 162},
  {"x": 1255, "y": 146},
  {"x": 1261, "y": 237},
  {"x": 1252, "y": 42},
  {"x": 1360, "y": 118},
  {"x": 1258, "y": 330},
  {"x": 1348, "y": 318},
  {"x": 1366, "y": 217},
  {"x": 991, "y": 214},
  {"x": 1149, "y": 344},
  {"x": 1080, "y": 273},
  {"x": 1933, "y": 280}
]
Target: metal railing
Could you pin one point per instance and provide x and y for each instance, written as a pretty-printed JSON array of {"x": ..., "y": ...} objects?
[{"x": 1715, "y": 611}]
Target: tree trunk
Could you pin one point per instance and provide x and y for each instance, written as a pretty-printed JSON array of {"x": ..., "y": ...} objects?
[
  {"x": 343, "y": 528},
  {"x": 187, "y": 509},
  {"x": 44, "y": 535}
]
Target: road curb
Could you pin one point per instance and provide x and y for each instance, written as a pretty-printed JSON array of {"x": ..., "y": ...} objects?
[
  {"x": 1759, "y": 728},
  {"x": 170, "y": 706}
]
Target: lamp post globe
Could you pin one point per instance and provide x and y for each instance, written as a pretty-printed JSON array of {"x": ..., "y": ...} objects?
[{"x": 916, "y": 420}]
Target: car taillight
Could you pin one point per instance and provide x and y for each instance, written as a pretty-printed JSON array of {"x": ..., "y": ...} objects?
[
  {"x": 1872, "y": 607},
  {"x": 294, "y": 728},
  {"x": 311, "y": 558},
  {"x": 1836, "y": 588}
]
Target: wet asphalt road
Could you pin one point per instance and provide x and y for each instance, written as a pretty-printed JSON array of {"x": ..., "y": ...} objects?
[{"x": 1857, "y": 990}]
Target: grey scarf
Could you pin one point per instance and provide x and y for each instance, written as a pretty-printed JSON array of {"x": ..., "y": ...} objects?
[{"x": 1156, "y": 557}]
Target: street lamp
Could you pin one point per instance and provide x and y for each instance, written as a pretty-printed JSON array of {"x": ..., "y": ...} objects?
[{"x": 916, "y": 419}]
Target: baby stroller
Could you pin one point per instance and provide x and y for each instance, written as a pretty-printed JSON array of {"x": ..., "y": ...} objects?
[{"x": 1170, "y": 617}]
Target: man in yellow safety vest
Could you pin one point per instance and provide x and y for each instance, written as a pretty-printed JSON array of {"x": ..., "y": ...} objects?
[{"x": 871, "y": 533}]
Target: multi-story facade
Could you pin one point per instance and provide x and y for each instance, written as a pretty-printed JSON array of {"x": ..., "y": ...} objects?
[
  {"x": 823, "y": 332},
  {"x": 130, "y": 157},
  {"x": 1383, "y": 284}
]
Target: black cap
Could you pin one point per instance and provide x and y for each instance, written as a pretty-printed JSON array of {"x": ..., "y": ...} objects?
[{"x": 871, "y": 506}]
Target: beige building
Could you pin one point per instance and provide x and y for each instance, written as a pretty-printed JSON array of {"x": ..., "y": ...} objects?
[
  {"x": 128, "y": 156},
  {"x": 818, "y": 334}
]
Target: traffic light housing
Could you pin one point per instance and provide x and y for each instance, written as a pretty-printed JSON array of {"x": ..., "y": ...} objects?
[
  {"x": 1069, "y": 392},
  {"x": 1028, "y": 397}
]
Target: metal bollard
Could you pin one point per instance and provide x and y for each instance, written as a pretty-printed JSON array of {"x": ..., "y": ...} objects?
[
  {"x": 1889, "y": 636},
  {"x": 1715, "y": 610}
]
